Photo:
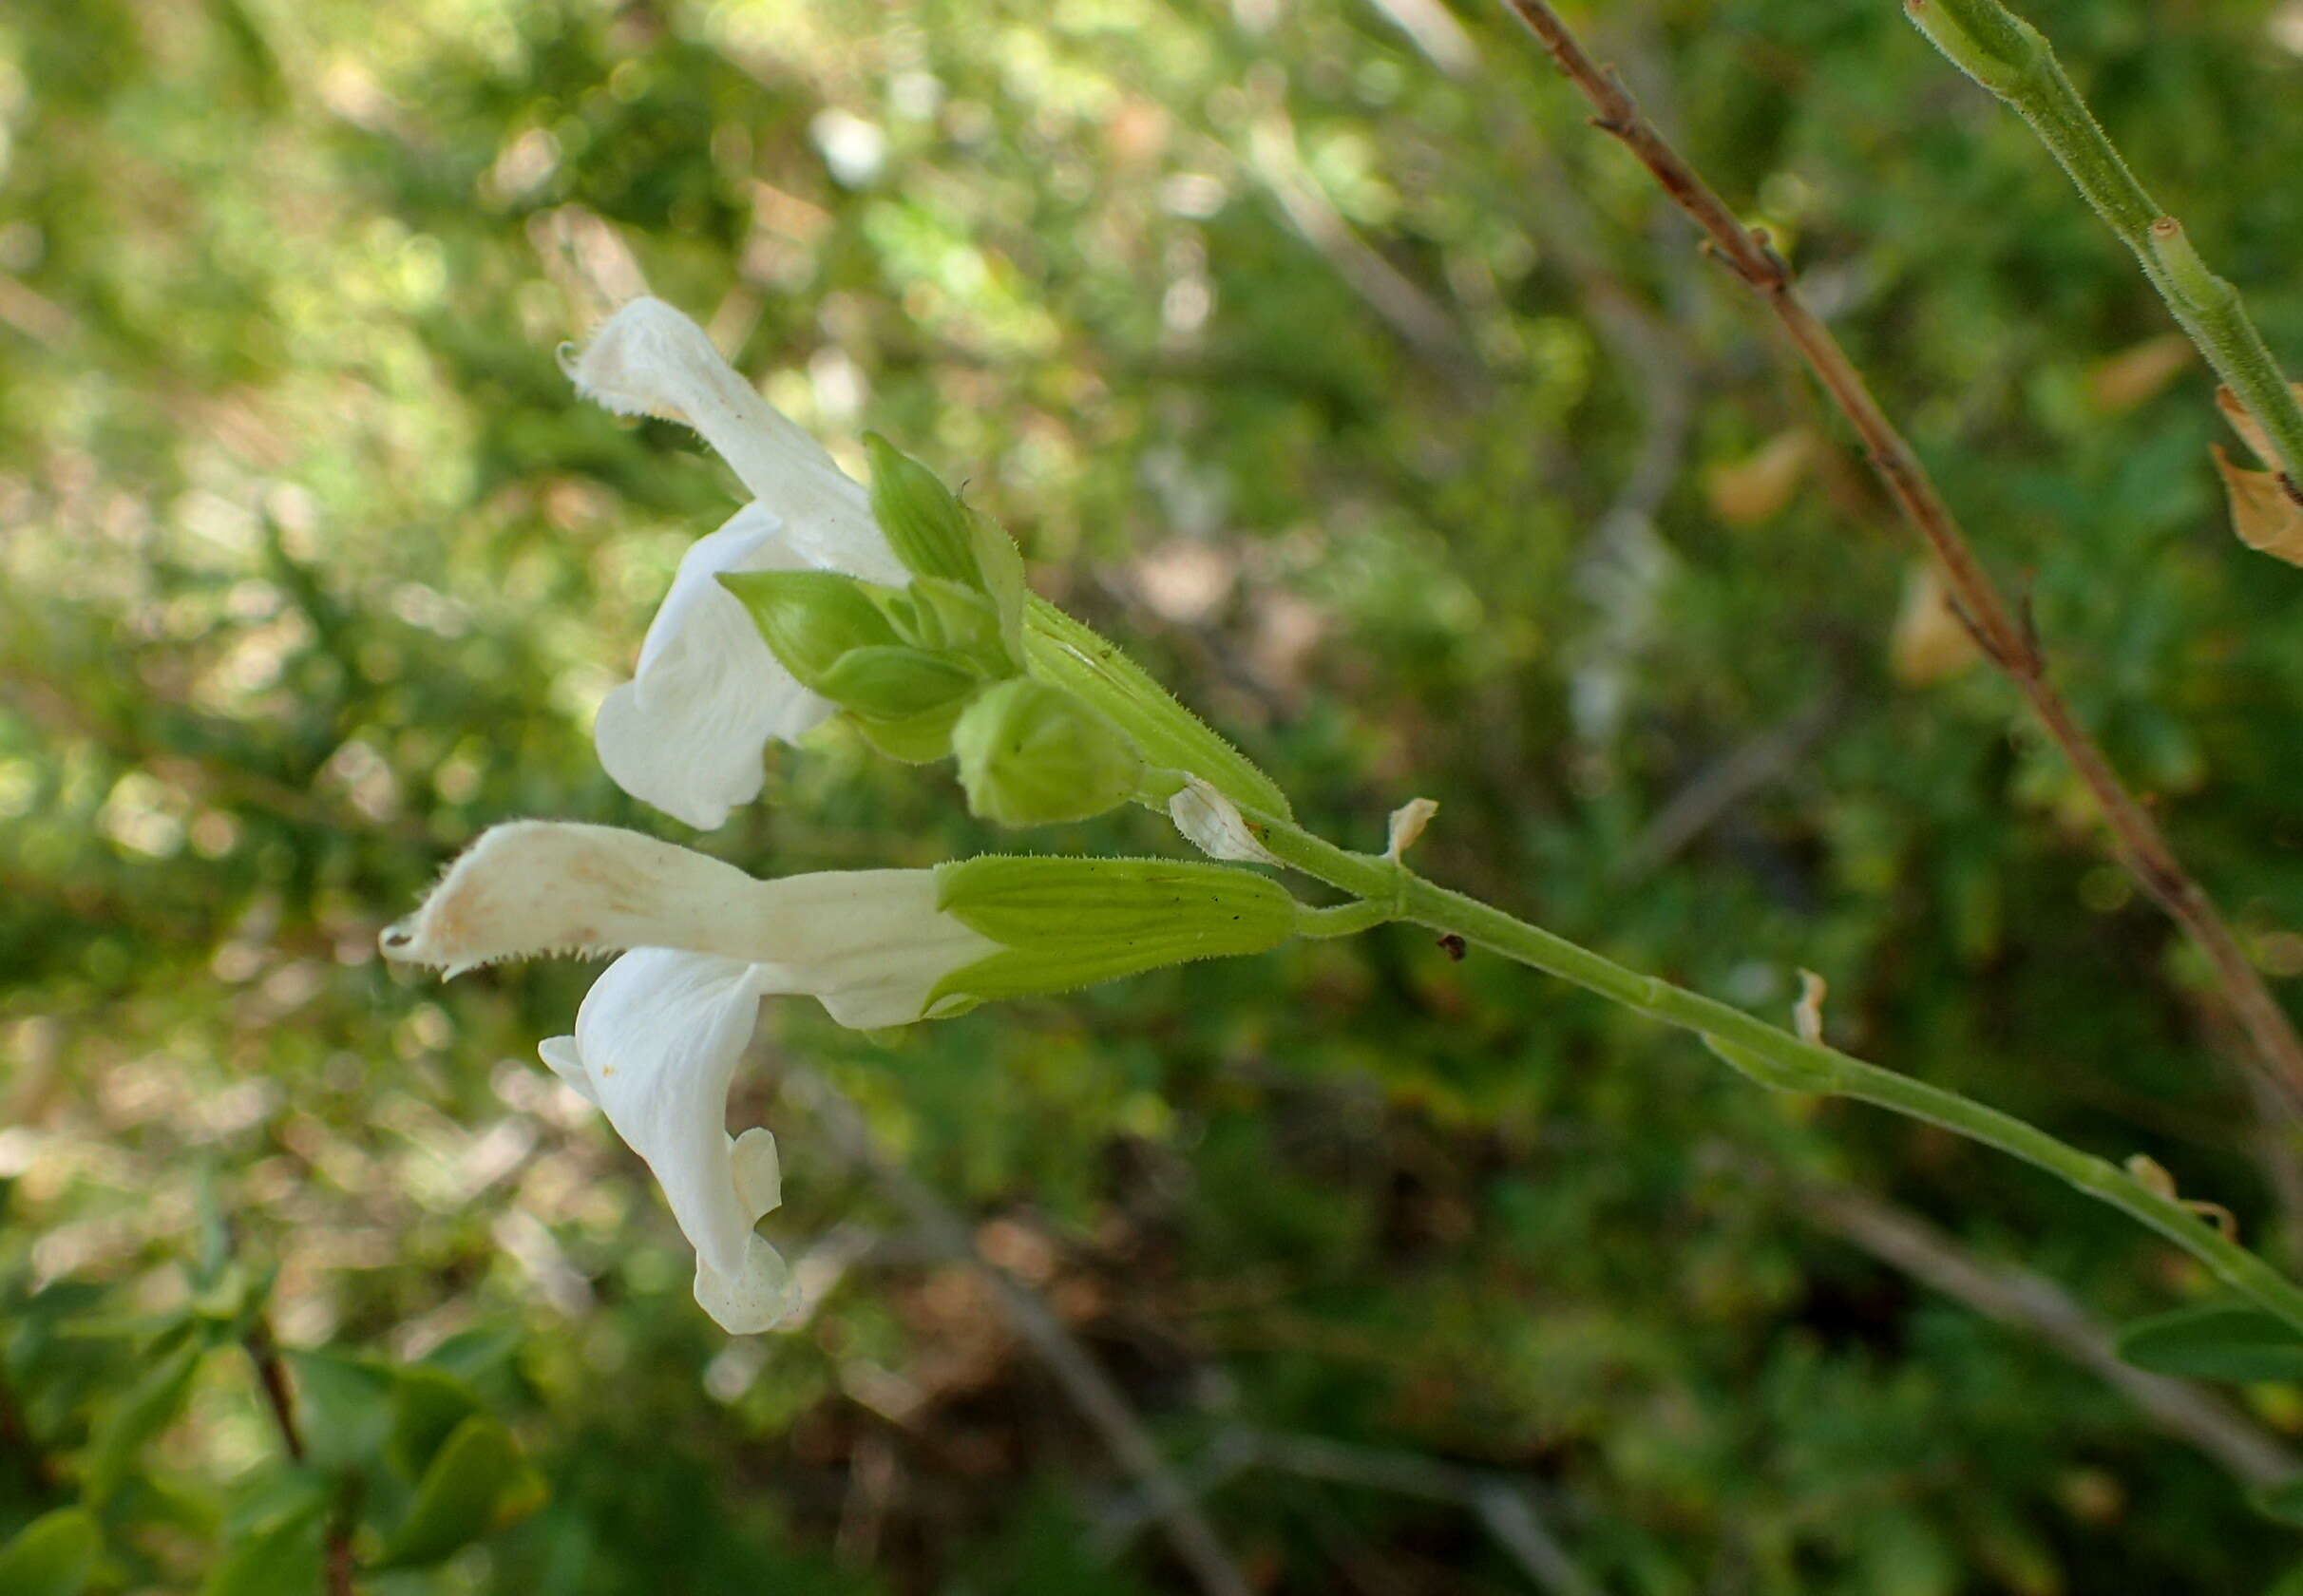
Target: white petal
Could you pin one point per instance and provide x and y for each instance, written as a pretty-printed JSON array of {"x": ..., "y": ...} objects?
[
  {"x": 686, "y": 735},
  {"x": 540, "y": 886},
  {"x": 870, "y": 944},
  {"x": 759, "y": 1173},
  {"x": 758, "y": 1295},
  {"x": 660, "y": 1035},
  {"x": 650, "y": 359},
  {"x": 560, "y": 1054}
]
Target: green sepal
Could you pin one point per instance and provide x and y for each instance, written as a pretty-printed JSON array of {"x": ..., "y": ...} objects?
[
  {"x": 810, "y": 619},
  {"x": 1062, "y": 652},
  {"x": 948, "y": 617},
  {"x": 919, "y": 739},
  {"x": 889, "y": 683},
  {"x": 925, "y": 525},
  {"x": 54, "y": 1555},
  {"x": 999, "y": 566},
  {"x": 1031, "y": 754},
  {"x": 1068, "y": 922}
]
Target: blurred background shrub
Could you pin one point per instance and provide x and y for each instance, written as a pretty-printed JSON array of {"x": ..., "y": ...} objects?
[{"x": 1316, "y": 351}]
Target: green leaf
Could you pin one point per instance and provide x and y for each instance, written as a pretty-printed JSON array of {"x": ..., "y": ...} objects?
[
  {"x": 2222, "y": 1341},
  {"x": 145, "y": 1411},
  {"x": 924, "y": 524},
  {"x": 810, "y": 619},
  {"x": 428, "y": 1406},
  {"x": 477, "y": 1483},
  {"x": 1062, "y": 652},
  {"x": 54, "y": 1555},
  {"x": 2284, "y": 1502},
  {"x": 282, "y": 1554},
  {"x": 347, "y": 1405}
]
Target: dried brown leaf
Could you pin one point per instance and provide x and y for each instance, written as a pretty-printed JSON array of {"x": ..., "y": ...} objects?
[
  {"x": 1930, "y": 643},
  {"x": 2263, "y": 513},
  {"x": 2250, "y": 430},
  {"x": 2122, "y": 381},
  {"x": 1757, "y": 488}
]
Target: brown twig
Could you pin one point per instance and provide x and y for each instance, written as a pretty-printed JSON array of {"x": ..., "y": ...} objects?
[
  {"x": 2014, "y": 1296},
  {"x": 1098, "y": 1399},
  {"x": 272, "y": 1377},
  {"x": 2136, "y": 840}
]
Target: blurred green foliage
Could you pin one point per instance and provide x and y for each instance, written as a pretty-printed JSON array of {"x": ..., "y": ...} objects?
[{"x": 1318, "y": 352}]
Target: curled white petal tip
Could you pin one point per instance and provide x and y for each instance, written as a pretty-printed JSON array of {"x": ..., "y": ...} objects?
[
  {"x": 1213, "y": 823},
  {"x": 541, "y": 887},
  {"x": 758, "y": 1296}
]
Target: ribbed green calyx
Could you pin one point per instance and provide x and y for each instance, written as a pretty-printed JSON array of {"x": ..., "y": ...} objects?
[
  {"x": 1068, "y": 923},
  {"x": 1062, "y": 652}
]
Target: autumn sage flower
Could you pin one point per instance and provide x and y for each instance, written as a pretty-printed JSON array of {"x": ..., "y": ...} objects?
[
  {"x": 660, "y": 1035},
  {"x": 687, "y": 731}
]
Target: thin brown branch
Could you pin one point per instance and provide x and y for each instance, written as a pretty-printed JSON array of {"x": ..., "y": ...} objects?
[
  {"x": 2140, "y": 847},
  {"x": 1099, "y": 1401},
  {"x": 272, "y": 1378},
  {"x": 2017, "y": 1297}
]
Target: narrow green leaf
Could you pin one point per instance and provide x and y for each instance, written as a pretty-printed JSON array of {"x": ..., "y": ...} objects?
[
  {"x": 428, "y": 1406},
  {"x": 145, "y": 1411},
  {"x": 2222, "y": 1341},
  {"x": 477, "y": 1483},
  {"x": 2284, "y": 1502},
  {"x": 284, "y": 1554},
  {"x": 54, "y": 1555},
  {"x": 347, "y": 1405}
]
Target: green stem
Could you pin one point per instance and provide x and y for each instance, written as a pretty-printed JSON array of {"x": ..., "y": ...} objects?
[
  {"x": 1772, "y": 1057},
  {"x": 2013, "y": 59}
]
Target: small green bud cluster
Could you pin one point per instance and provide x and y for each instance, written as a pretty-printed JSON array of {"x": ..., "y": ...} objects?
[{"x": 944, "y": 668}]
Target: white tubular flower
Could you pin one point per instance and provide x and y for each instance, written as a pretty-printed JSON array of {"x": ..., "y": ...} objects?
[
  {"x": 662, "y": 1032},
  {"x": 659, "y": 1038},
  {"x": 686, "y": 733}
]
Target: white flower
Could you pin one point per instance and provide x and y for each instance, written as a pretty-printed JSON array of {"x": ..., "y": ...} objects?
[
  {"x": 662, "y": 1032},
  {"x": 686, "y": 733}
]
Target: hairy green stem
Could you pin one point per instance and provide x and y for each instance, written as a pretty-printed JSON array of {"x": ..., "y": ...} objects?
[
  {"x": 2013, "y": 59},
  {"x": 1772, "y": 1056}
]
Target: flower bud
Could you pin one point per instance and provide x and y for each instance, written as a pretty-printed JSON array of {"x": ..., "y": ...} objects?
[
  {"x": 810, "y": 619},
  {"x": 1030, "y": 755}
]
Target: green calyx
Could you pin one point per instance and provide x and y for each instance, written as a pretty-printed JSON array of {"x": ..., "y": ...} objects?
[
  {"x": 943, "y": 541},
  {"x": 812, "y": 620},
  {"x": 1032, "y": 755},
  {"x": 1068, "y": 923},
  {"x": 1063, "y": 652}
]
